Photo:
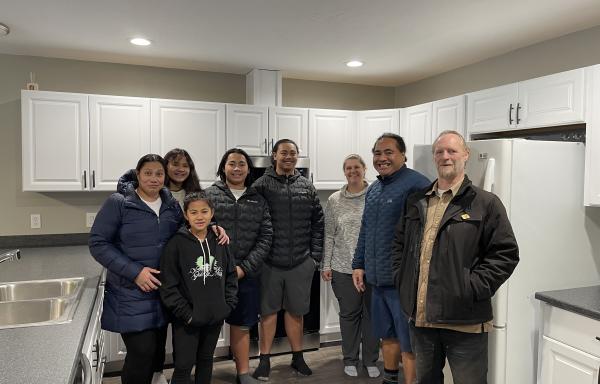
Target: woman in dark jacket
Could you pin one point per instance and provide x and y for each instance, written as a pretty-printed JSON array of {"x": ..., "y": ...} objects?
[
  {"x": 286, "y": 277},
  {"x": 245, "y": 216},
  {"x": 127, "y": 238}
]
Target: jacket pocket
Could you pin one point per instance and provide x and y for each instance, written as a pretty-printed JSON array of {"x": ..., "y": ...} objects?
[{"x": 457, "y": 297}]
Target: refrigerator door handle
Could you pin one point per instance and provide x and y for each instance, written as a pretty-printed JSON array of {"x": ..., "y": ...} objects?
[{"x": 488, "y": 178}]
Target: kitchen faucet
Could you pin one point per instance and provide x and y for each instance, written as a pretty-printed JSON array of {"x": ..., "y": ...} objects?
[{"x": 12, "y": 255}]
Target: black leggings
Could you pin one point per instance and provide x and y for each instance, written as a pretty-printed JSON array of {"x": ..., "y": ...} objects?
[
  {"x": 194, "y": 345},
  {"x": 145, "y": 355}
]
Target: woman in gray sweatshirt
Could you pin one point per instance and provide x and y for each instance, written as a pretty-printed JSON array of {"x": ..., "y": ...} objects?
[{"x": 342, "y": 225}]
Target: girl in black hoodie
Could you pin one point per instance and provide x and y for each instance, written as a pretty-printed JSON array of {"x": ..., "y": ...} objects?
[{"x": 199, "y": 287}]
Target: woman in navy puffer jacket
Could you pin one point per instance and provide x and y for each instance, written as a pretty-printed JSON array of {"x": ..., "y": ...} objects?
[{"x": 127, "y": 238}]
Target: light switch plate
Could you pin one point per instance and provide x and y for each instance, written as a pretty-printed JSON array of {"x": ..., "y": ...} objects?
[
  {"x": 36, "y": 220},
  {"x": 89, "y": 219}
]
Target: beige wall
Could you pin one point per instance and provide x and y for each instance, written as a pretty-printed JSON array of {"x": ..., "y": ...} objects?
[
  {"x": 322, "y": 94},
  {"x": 572, "y": 51},
  {"x": 64, "y": 212}
]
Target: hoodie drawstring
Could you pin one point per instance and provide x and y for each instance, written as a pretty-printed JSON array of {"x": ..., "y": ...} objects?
[{"x": 208, "y": 263}]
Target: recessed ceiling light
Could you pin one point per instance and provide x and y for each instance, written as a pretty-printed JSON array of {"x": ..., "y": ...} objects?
[
  {"x": 354, "y": 64},
  {"x": 4, "y": 30},
  {"x": 140, "y": 41}
]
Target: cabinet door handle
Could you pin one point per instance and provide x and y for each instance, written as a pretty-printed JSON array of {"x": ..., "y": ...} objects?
[
  {"x": 84, "y": 179},
  {"x": 266, "y": 147},
  {"x": 93, "y": 179},
  {"x": 510, "y": 109},
  {"x": 311, "y": 177},
  {"x": 272, "y": 143},
  {"x": 518, "y": 107}
]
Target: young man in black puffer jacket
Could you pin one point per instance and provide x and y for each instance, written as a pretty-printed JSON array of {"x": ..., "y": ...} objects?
[{"x": 297, "y": 218}]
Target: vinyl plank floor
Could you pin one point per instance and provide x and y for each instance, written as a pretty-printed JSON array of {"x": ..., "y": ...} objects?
[{"x": 326, "y": 364}]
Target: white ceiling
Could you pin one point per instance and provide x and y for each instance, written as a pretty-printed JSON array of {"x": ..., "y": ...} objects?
[{"x": 400, "y": 41}]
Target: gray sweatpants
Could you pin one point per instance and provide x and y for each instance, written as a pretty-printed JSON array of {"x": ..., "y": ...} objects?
[{"x": 355, "y": 321}]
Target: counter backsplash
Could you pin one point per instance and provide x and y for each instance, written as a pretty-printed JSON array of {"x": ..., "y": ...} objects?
[{"x": 34, "y": 241}]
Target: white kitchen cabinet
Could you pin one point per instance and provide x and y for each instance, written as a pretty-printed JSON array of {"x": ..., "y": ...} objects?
[
  {"x": 569, "y": 351},
  {"x": 248, "y": 128},
  {"x": 289, "y": 123},
  {"x": 416, "y": 128},
  {"x": 371, "y": 125},
  {"x": 329, "y": 328},
  {"x": 116, "y": 351},
  {"x": 591, "y": 194},
  {"x": 198, "y": 127},
  {"x": 491, "y": 109},
  {"x": 255, "y": 128},
  {"x": 332, "y": 138},
  {"x": 448, "y": 115},
  {"x": 551, "y": 100},
  {"x": 223, "y": 341},
  {"x": 119, "y": 136},
  {"x": 55, "y": 137},
  {"x": 562, "y": 363},
  {"x": 545, "y": 101},
  {"x": 77, "y": 142}
]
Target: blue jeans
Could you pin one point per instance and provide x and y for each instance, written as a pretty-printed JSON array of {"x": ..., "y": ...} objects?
[{"x": 467, "y": 355}]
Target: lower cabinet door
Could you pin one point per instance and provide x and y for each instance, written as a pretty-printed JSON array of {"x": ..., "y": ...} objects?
[{"x": 563, "y": 364}]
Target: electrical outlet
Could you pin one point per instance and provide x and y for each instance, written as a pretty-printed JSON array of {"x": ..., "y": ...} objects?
[
  {"x": 36, "y": 220},
  {"x": 89, "y": 219}
]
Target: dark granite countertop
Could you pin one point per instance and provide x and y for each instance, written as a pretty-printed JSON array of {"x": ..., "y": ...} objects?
[
  {"x": 48, "y": 354},
  {"x": 583, "y": 301}
]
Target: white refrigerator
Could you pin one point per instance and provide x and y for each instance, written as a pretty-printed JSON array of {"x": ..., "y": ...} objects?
[{"x": 541, "y": 186}]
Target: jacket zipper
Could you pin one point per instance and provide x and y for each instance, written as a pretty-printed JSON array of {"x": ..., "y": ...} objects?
[
  {"x": 291, "y": 237},
  {"x": 373, "y": 250},
  {"x": 235, "y": 234}
]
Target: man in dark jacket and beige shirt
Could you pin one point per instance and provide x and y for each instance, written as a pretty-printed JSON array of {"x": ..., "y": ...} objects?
[{"x": 452, "y": 250}]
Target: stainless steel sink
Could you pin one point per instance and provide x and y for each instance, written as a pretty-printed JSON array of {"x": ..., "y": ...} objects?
[
  {"x": 39, "y": 302},
  {"x": 40, "y": 289},
  {"x": 33, "y": 312}
]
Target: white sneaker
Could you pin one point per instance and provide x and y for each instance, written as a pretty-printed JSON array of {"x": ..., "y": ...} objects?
[
  {"x": 350, "y": 370},
  {"x": 159, "y": 378},
  {"x": 373, "y": 371}
]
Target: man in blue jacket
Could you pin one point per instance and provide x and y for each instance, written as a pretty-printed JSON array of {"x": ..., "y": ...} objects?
[{"x": 372, "y": 264}]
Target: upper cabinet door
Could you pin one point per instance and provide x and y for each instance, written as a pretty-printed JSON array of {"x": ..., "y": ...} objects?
[
  {"x": 371, "y": 125},
  {"x": 332, "y": 134},
  {"x": 119, "y": 136},
  {"x": 448, "y": 114},
  {"x": 492, "y": 110},
  {"x": 289, "y": 123},
  {"x": 195, "y": 126},
  {"x": 551, "y": 100},
  {"x": 416, "y": 128},
  {"x": 248, "y": 128},
  {"x": 55, "y": 131}
]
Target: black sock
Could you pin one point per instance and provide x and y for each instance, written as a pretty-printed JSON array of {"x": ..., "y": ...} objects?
[
  {"x": 299, "y": 364},
  {"x": 390, "y": 376},
  {"x": 264, "y": 367},
  {"x": 297, "y": 355}
]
